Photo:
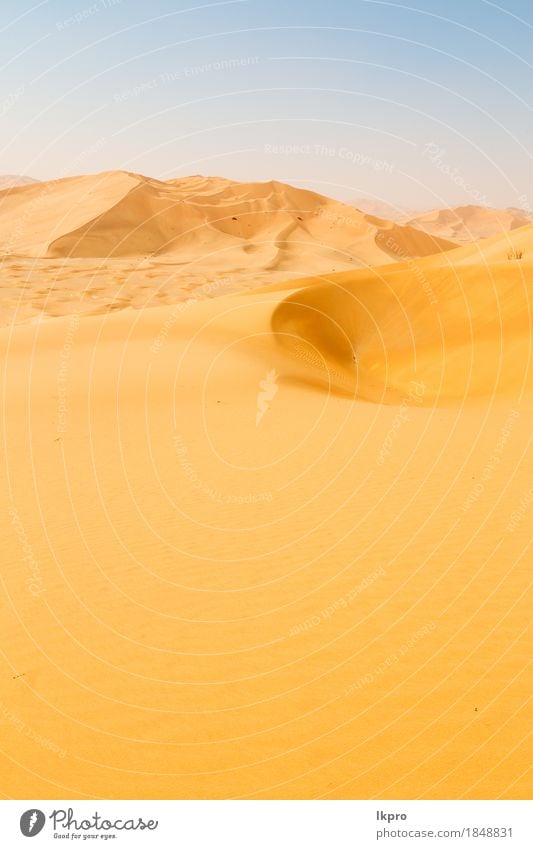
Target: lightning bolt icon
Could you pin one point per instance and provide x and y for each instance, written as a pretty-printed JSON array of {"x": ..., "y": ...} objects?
[{"x": 33, "y": 820}]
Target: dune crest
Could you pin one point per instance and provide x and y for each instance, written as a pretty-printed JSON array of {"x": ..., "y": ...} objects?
[
  {"x": 98, "y": 243},
  {"x": 266, "y": 545},
  {"x": 464, "y": 224},
  {"x": 460, "y": 332},
  {"x": 230, "y": 565},
  {"x": 120, "y": 214}
]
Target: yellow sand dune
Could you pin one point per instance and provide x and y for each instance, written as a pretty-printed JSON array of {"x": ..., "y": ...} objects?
[
  {"x": 221, "y": 580},
  {"x": 470, "y": 223},
  {"x": 461, "y": 331},
  {"x": 505, "y": 247},
  {"x": 97, "y": 243},
  {"x": 119, "y": 214},
  {"x": 513, "y": 250}
]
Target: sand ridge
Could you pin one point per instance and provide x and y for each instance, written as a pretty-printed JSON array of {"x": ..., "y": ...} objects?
[
  {"x": 98, "y": 243},
  {"x": 465, "y": 224},
  {"x": 332, "y": 602},
  {"x": 460, "y": 331},
  {"x": 118, "y": 214},
  {"x": 261, "y": 541}
]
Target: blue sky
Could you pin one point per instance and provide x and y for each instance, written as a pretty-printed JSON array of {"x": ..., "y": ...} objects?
[{"x": 421, "y": 103}]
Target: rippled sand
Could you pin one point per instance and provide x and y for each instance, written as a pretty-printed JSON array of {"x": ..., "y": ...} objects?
[{"x": 270, "y": 543}]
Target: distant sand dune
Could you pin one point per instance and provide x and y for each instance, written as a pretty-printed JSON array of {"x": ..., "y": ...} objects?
[
  {"x": 95, "y": 244},
  {"x": 470, "y": 223},
  {"x": 119, "y": 214},
  {"x": 502, "y": 247}
]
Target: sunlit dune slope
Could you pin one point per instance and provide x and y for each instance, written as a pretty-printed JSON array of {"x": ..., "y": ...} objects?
[
  {"x": 272, "y": 544},
  {"x": 233, "y": 225},
  {"x": 461, "y": 332},
  {"x": 220, "y": 580},
  {"x": 403, "y": 242},
  {"x": 512, "y": 247},
  {"x": 94, "y": 244}
]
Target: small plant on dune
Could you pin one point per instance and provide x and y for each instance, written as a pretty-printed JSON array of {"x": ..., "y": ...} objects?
[{"x": 515, "y": 254}]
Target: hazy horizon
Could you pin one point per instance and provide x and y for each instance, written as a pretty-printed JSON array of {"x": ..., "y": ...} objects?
[{"x": 378, "y": 202}]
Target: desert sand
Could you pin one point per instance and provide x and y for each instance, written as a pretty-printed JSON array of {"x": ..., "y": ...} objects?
[
  {"x": 267, "y": 540},
  {"x": 463, "y": 224},
  {"x": 88, "y": 244}
]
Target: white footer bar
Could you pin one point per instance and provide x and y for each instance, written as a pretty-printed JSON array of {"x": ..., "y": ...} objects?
[{"x": 268, "y": 824}]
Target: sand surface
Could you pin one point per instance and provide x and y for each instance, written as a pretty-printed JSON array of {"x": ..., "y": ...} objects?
[
  {"x": 91, "y": 244},
  {"x": 469, "y": 223},
  {"x": 273, "y": 543}
]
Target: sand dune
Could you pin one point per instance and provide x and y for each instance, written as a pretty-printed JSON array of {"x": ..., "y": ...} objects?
[
  {"x": 222, "y": 580},
  {"x": 469, "y": 223},
  {"x": 512, "y": 248},
  {"x": 261, "y": 541},
  {"x": 119, "y": 214},
  {"x": 460, "y": 331},
  {"x": 98, "y": 243}
]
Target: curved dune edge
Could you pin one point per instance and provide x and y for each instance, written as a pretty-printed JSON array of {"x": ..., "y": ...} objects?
[
  {"x": 224, "y": 578},
  {"x": 453, "y": 333},
  {"x": 211, "y": 604}
]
